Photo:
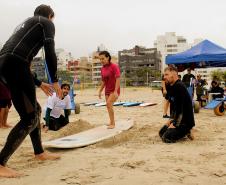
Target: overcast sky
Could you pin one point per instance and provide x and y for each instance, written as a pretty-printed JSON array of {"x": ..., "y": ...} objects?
[{"x": 82, "y": 25}]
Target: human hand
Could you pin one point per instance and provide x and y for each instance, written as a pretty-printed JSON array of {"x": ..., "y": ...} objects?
[
  {"x": 99, "y": 94},
  {"x": 115, "y": 94},
  {"x": 164, "y": 93},
  {"x": 168, "y": 122},
  {"x": 171, "y": 126},
  {"x": 47, "y": 88},
  {"x": 57, "y": 89}
]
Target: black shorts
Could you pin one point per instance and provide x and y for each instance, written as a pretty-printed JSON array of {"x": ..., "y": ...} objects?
[
  {"x": 5, "y": 103},
  {"x": 166, "y": 96},
  {"x": 199, "y": 97}
]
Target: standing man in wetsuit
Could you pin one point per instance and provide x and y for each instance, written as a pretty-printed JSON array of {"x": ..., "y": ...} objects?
[
  {"x": 182, "y": 118},
  {"x": 15, "y": 58}
]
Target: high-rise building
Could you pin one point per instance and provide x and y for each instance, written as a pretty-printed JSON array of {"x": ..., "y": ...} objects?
[
  {"x": 63, "y": 58},
  {"x": 140, "y": 65},
  {"x": 82, "y": 69},
  {"x": 38, "y": 66},
  {"x": 96, "y": 67},
  {"x": 169, "y": 44}
]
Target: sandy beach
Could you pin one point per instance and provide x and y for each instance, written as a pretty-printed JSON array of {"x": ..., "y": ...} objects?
[{"x": 135, "y": 157}]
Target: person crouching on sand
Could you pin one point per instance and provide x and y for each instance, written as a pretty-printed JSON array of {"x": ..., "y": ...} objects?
[
  {"x": 182, "y": 117},
  {"x": 110, "y": 74}
]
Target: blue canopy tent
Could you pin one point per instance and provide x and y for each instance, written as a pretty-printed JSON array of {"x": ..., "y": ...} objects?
[{"x": 203, "y": 55}]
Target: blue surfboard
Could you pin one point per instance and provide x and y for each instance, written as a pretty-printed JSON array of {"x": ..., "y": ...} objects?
[{"x": 118, "y": 103}]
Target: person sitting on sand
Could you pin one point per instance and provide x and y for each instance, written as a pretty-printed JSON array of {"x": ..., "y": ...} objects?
[
  {"x": 5, "y": 104},
  {"x": 110, "y": 74},
  {"x": 215, "y": 88},
  {"x": 182, "y": 118},
  {"x": 54, "y": 120}
]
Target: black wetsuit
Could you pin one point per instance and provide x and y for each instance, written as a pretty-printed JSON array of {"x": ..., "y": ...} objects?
[
  {"x": 182, "y": 114},
  {"x": 15, "y": 58}
]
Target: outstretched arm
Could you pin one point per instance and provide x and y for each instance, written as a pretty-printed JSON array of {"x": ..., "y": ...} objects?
[{"x": 101, "y": 88}]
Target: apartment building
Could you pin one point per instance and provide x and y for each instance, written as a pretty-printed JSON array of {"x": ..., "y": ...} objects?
[
  {"x": 169, "y": 44},
  {"x": 63, "y": 58},
  {"x": 140, "y": 65},
  {"x": 81, "y": 69},
  {"x": 38, "y": 66}
]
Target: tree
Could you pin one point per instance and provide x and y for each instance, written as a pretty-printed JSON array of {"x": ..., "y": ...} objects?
[
  {"x": 217, "y": 75},
  {"x": 224, "y": 76},
  {"x": 65, "y": 76}
]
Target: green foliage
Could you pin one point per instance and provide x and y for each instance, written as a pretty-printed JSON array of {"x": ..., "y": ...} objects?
[
  {"x": 224, "y": 75},
  {"x": 66, "y": 76},
  {"x": 217, "y": 75}
]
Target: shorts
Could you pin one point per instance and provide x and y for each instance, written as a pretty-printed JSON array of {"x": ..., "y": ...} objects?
[
  {"x": 5, "y": 103},
  {"x": 199, "y": 97},
  {"x": 167, "y": 97}
]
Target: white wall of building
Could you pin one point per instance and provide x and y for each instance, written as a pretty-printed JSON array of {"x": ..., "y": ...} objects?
[
  {"x": 62, "y": 59},
  {"x": 168, "y": 44}
]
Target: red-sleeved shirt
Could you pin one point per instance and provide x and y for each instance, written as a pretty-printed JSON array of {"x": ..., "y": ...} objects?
[{"x": 109, "y": 73}]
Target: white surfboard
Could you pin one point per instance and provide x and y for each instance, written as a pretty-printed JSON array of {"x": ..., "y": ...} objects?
[
  {"x": 90, "y": 136},
  {"x": 147, "y": 104},
  {"x": 100, "y": 104}
]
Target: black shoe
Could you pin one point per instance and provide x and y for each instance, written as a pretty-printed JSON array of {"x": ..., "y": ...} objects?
[{"x": 166, "y": 116}]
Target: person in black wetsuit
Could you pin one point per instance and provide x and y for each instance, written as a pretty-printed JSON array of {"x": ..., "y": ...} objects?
[
  {"x": 182, "y": 118},
  {"x": 165, "y": 93},
  {"x": 15, "y": 59}
]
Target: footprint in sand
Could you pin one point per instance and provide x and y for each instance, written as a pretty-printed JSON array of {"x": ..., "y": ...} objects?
[{"x": 132, "y": 164}]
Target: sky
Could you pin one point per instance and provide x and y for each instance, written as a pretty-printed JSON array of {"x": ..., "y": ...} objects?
[{"x": 82, "y": 25}]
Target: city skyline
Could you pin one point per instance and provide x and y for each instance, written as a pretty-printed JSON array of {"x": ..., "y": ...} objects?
[{"x": 82, "y": 25}]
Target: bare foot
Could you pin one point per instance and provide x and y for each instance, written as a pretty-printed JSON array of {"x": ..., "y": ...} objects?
[
  {"x": 190, "y": 136},
  {"x": 45, "y": 129},
  {"x": 111, "y": 126},
  {"x": 9, "y": 173},
  {"x": 47, "y": 156}
]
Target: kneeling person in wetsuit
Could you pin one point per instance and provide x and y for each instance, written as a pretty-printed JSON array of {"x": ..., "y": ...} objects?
[
  {"x": 54, "y": 109},
  {"x": 182, "y": 118}
]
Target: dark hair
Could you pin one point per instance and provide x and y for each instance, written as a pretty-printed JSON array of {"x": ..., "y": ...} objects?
[
  {"x": 171, "y": 68},
  {"x": 106, "y": 54},
  {"x": 65, "y": 85},
  {"x": 44, "y": 10}
]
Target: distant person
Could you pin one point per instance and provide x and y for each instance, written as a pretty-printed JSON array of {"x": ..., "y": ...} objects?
[
  {"x": 217, "y": 90},
  {"x": 182, "y": 118},
  {"x": 188, "y": 80},
  {"x": 5, "y": 104},
  {"x": 215, "y": 80},
  {"x": 55, "y": 107},
  {"x": 179, "y": 77},
  {"x": 165, "y": 93},
  {"x": 15, "y": 59},
  {"x": 200, "y": 83},
  {"x": 110, "y": 74}
]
